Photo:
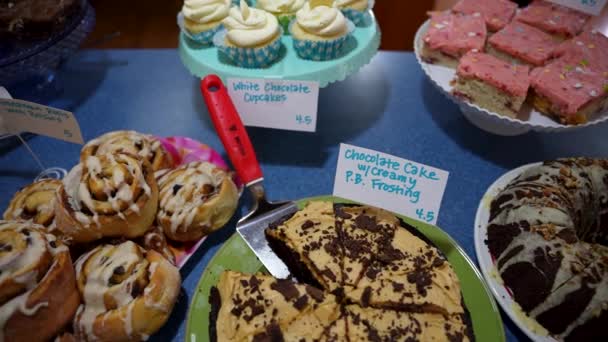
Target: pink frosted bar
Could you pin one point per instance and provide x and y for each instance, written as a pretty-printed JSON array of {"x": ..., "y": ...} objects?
[
  {"x": 511, "y": 79},
  {"x": 552, "y": 18},
  {"x": 569, "y": 86},
  {"x": 497, "y": 13},
  {"x": 455, "y": 35},
  {"x": 524, "y": 42}
]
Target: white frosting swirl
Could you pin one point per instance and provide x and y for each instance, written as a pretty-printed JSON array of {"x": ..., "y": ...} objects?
[
  {"x": 321, "y": 20},
  {"x": 280, "y": 6},
  {"x": 350, "y": 3},
  {"x": 248, "y": 27},
  {"x": 206, "y": 11}
]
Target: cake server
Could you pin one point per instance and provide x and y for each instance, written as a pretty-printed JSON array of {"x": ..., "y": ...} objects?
[{"x": 236, "y": 141}]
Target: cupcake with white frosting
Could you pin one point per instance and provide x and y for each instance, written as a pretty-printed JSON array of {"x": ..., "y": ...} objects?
[
  {"x": 237, "y": 2},
  {"x": 355, "y": 10},
  {"x": 319, "y": 31},
  {"x": 284, "y": 10},
  {"x": 251, "y": 37},
  {"x": 203, "y": 18}
]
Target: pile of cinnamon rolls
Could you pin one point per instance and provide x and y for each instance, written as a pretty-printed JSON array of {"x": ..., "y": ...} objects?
[{"x": 112, "y": 214}]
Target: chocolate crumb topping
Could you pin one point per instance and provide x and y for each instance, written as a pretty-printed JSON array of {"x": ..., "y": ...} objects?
[
  {"x": 329, "y": 274},
  {"x": 366, "y": 297},
  {"x": 339, "y": 212},
  {"x": 308, "y": 224},
  {"x": 315, "y": 293},
  {"x": 366, "y": 222},
  {"x": 397, "y": 287},
  {"x": 301, "y": 303},
  {"x": 422, "y": 278},
  {"x": 273, "y": 333},
  {"x": 285, "y": 288}
]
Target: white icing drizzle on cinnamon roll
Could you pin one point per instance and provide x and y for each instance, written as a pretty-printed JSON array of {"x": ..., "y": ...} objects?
[
  {"x": 102, "y": 264},
  {"x": 181, "y": 191},
  {"x": 22, "y": 265},
  {"x": 120, "y": 190},
  {"x": 142, "y": 145}
]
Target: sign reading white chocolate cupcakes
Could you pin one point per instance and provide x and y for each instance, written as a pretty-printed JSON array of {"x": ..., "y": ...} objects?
[
  {"x": 22, "y": 116},
  {"x": 280, "y": 104},
  {"x": 593, "y": 7},
  {"x": 399, "y": 185}
]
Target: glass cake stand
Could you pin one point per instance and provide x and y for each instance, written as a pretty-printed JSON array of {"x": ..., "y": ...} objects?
[
  {"x": 24, "y": 65},
  {"x": 359, "y": 50}
]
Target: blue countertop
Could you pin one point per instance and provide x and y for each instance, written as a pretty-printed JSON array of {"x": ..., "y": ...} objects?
[{"x": 388, "y": 106}]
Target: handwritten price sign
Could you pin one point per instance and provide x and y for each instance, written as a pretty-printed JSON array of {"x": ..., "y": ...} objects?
[
  {"x": 392, "y": 183},
  {"x": 17, "y": 116},
  {"x": 280, "y": 104}
]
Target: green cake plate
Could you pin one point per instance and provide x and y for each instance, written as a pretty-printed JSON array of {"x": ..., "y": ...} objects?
[
  {"x": 236, "y": 255},
  {"x": 359, "y": 50}
]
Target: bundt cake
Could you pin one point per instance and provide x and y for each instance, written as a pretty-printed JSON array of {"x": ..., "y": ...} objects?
[
  {"x": 547, "y": 232},
  {"x": 364, "y": 275}
]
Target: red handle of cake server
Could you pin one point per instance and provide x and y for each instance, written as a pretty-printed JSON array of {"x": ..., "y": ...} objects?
[{"x": 230, "y": 129}]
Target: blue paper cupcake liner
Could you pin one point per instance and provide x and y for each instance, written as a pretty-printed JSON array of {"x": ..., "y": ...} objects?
[
  {"x": 261, "y": 57},
  {"x": 205, "y": 37},
  {"x": 320, "y": 50},
  {"x": 202, "y": 38},
  {"x": 359, "y": 18},
  {"x": 238, "y": 2}
]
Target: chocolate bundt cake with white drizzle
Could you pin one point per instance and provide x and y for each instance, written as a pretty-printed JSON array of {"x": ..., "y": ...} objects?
[{"x": 548, "y": 232}]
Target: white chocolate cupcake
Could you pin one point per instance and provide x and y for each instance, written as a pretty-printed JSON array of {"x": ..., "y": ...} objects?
[
  {"x": 251, "y": 37},
  {"x": 284, "y": 10},
  {"x": 355, "y": 10},
  {"x": 203, "y": 18},
  {"x": 319, "y": 33}
]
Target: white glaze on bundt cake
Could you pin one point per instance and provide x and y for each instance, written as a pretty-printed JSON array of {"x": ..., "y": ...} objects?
[{"x": 548, "y": 231}]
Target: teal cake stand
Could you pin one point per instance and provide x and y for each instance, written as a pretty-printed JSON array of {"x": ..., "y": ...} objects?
[{"x": 359, "y": 50}]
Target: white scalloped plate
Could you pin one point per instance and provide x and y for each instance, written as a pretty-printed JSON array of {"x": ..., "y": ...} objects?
[
  {"x": 484, "y": 119},
  {"x": 486, "y": 263}
]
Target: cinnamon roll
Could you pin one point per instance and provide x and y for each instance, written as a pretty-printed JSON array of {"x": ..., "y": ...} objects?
[
  {"x": 142, "y": 145},
  {"x": 195, "y": 200},
  {"x": 155, "y": 239},
  {"x": 128, "y": 293},
  {"x": 35, "y": 203},
  {"x": 38, "y": 293},
  {"x": 109, "y": 195}
]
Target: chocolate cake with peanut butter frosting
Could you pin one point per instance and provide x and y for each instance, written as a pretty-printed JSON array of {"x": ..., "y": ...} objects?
[{"x": 363, "y": 275}]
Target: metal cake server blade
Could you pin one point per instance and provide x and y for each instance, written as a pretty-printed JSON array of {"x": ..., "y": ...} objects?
[{"x": 236, "y": 141}]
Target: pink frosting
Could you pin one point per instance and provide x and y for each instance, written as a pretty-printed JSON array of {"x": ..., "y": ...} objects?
[
  {"x": 553, "y": 18},
  {"x": 497, "y": 13},
  {"x": 591, "y": 47},
  {"x": 569, "y": 86},
  {"x": 512, "y": 79},
  {"x": 455, "y": 35},
  {"x": 185, "y": 150},
  {"x": 524, "y": 42}
]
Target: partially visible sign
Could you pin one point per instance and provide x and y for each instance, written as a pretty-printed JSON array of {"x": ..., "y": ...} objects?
[
  {"x": 19, "y": 116},
  {"x": 3, "y": 95},
  {"x": 593, "y": 7},
  {"x": 395, "y": 184},
  {"x": 280, "y": 104}
]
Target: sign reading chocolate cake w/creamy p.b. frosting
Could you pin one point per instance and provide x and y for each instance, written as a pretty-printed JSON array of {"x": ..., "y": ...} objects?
[{"x": 395, "y": 184}]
